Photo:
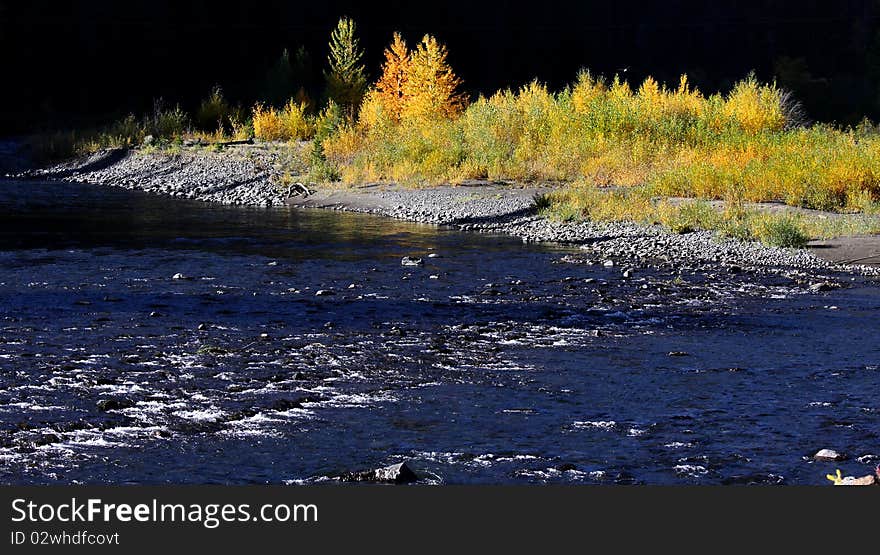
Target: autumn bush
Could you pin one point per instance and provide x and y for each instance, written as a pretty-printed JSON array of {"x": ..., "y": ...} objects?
[
  {"x": 750, "y": 143},
  {"x": 288, "y": 123}
]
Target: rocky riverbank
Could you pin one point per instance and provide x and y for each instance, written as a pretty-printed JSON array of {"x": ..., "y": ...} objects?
[
  {"x": 237, "y": 175},
  {"x": 250, "y": 175}
]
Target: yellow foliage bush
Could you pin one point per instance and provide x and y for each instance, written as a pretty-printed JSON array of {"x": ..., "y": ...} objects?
[
  {"x": 676, "y": 142},
  {"x": 289, "y": 123}
]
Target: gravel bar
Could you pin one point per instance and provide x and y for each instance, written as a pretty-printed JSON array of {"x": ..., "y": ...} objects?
[{"x": 248, "y": 176}]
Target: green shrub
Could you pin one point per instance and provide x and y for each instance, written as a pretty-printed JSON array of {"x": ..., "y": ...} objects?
[
  {"x": 214, "y": 111},
  {"x": 780, "y": 231}
]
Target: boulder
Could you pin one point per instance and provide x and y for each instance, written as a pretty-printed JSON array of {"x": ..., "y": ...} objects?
[
  {"x": 820, "y": 287},
  {"x": 828, "y": 455},
  {"x": 399, "y": 473}
]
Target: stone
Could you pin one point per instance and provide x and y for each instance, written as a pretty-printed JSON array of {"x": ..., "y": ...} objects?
[
  {"x": 410, "y": 261},
  {"x": 828, "y": 455},
  {"x": 399, "y": 473},
  {"x": 678, "y": 354},
  {"x": 179, "y": 276},
  {"x": 324, "y": 292},
  {"x": 868, "y": 480},
  {"x": 114, "y": 404},
  {"x": 608, "y": 263},
  {"x": 820, "y": 287}
]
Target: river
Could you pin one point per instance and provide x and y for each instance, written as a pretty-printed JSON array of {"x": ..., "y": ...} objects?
[{"x": 494, "y": 362}]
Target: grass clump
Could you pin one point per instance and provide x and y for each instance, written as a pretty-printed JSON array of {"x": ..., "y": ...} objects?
[{"x": 780, "y": 231}]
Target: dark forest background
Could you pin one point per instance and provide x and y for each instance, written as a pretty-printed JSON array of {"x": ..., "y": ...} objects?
[{"x": 80, "y": 63}]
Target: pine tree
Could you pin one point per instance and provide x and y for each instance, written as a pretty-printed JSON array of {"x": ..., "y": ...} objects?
[
  {"x": 346, "y": 80},
  {"x": 390, "y": 89},
  {"x": 431, "y": 89}
]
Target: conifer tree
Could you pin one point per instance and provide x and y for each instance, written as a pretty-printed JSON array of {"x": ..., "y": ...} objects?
[
  {"x": 431, "y": 89},
  {"x": 390, "y": 89},
  {"x": 346, "y": 80}
]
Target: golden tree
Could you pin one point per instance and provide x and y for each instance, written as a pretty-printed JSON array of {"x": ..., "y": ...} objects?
[
  {"x": 390, "y": 88},
  {"x": 431, "y": 88}
]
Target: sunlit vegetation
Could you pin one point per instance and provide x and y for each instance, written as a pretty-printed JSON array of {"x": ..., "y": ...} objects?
[
  {"x": 747, "y": 222},
  {"x": 286, "y": 124},
  {"x": 622, "y": 149},
  {"x": 346, "y": 76}
]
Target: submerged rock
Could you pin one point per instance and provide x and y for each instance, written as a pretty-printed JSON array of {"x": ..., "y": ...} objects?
[
  {"x": 399, "y": 473},
  {"x": 411, "y": 261},
  {"x": 820, "y": 287},
  {"x": 114, "y": 404}
]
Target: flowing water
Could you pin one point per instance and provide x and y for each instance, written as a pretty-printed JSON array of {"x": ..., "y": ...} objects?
[{"x": 495, "y": 362}]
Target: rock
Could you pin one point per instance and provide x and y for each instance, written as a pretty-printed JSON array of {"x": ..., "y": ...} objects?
[
  {"x": 324, "y": 292},
  {"x": 202, "y": 327},
  {"x": 114, "y": 404},
  {"x": 410, "y": 261},
  {"x": 48, "y": 439},
  {"x": 179, "y": 276},
  {"x": 820, "y": 287},
  {"x": 155, "y": 314},
  {"x": 608, "y": 263},
  {"x": 399, "y": 473},
  {"x": 433, "y": 255},
  {"x": 288, "y": 404},
  {"x": 828, "y": 455},
  {"x": 868, "y": 480},
  {"x": 678, "y": 354},
  {"x": 628, "y": 273}
]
